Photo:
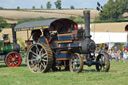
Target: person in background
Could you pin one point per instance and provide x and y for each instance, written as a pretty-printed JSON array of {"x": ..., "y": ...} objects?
[
  {"x": 113, "y": 54},
  {"x": 127, "y": 55},
  {"x": 124, "y": 55},
  {"x": 118, "y": 56},
  {"x": 110, "y": 56},
  {"x": 121, "y": 56}
]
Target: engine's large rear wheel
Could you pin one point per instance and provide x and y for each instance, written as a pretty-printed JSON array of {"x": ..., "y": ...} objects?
[
  {"x": 39, "y": 58},
  {"x": 104, "y": 65},
  {"x": 13, "y": 59},
  {"x": 76, "y": 63}
]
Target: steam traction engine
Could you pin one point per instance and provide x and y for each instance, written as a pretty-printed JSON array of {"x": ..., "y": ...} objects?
[
  {"x": 62, "y": 45},
  {"x": 9, "y": 52}
]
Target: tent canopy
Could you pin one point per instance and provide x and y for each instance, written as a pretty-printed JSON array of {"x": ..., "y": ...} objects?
[{"x": 109, "y": 37}]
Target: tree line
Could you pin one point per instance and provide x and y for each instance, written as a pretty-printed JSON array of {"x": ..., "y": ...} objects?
[
  {"x": 49, "y": 5},
  {"x": 113, "y": 10}
]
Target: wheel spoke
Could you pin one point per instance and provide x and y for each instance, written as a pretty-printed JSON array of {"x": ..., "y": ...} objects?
[
  {"x": 76, "y": 63},
  {"x": 13, "y": 55},
  {"x": 34, "y": 68},
  {"x": 17, "y": 59},
  {"x": 44, "y": 60},
  {"x": 37, "y": 48},
  {"x": 44, "y": 55},
  {"x": 104, "y": 63},
  {"x": 40, "y": 67},
  {"x": 41, "y": 50},
  {"x": 9, "y": 56},
  {"x": 32, "y": 60},
  {"x": 13, "y": 59},
  {"x": 43, "y": 64},
  {"x": 33, "y": 52}
]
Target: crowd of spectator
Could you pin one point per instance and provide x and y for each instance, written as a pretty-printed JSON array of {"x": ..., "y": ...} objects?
[
  {"x": 115, "y": 54},
  {"x": 119, "y": 56}
]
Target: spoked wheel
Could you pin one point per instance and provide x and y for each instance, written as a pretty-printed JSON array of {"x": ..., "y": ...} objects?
[
  {"x": 104, "y": 63},
  {"x": 76, "y": 63},
  {"x": 13, "y": 59},
  {"x": 39, "y": 58}
]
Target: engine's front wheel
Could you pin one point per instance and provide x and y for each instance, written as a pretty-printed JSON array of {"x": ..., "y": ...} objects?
[
  {"x": 104, "y": 63},
  {"x": 13, "y": 59},
  {"x": 76, "y": 63}
]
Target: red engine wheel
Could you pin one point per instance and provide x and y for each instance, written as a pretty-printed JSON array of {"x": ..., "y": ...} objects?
[{"x": 13, "y": 59}]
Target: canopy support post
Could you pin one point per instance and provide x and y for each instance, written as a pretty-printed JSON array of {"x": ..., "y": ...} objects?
[{"x": 27, "y": 35}]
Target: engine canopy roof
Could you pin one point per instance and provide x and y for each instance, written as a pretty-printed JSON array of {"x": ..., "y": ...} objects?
[{"x": 50, "y": 24}]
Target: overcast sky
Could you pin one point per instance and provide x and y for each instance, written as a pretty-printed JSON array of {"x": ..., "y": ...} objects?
[{"x": 38, "y": 3}]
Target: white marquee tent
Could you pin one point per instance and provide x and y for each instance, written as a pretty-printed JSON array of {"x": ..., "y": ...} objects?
[{"x": 109, "y": 37}]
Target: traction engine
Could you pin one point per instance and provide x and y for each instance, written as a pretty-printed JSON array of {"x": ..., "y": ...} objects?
[
  {"x": 62, "y": 45},
  {"x": 9, "y": 52}
]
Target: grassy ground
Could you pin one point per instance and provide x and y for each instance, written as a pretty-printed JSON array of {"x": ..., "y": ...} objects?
[{"x": 118, "y": 75}]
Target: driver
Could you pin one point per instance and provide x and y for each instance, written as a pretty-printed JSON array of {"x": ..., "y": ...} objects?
[
  {"x": 36, "y": 35},
  {"x": 47, "y": 35}
]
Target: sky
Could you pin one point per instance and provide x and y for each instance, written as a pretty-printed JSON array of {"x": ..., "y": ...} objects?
[{"x": 38, "y": 3}]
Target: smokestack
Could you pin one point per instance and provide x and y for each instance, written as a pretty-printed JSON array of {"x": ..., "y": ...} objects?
[
  {"x": 16, "y": 47},
  {"x": 87, "y": 23},
  {"x": 13, "y": 33}
]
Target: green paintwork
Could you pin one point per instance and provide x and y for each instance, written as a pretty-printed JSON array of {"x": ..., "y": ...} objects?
[
  {"x": 6, "y": 49},
  {"x": 1, "y": 43}
]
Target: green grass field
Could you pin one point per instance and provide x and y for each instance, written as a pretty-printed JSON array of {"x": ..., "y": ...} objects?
[{"x": 118, "y": 75}]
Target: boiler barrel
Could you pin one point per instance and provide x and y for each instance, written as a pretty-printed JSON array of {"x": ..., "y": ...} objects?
[
  {"x": 6, "y": 49},
  {"x": 87, "y": 45}
]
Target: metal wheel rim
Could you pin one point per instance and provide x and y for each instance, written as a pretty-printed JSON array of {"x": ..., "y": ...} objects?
[
  {"x": 76, "y": 63},
  {"x": 104, "y": 63},
  {"x": 13, "y": 59},
  {"x": 39, "y": 59}
]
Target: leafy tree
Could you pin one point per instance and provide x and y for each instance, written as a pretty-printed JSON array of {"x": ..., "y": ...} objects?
[
  {"x": 124, "y": 5},
  {"x": 1, "y": 8},
  {"x": 58, "y": 4},
  {"x": 3, "y": 22},
  {"x": 113, "y": 9},
  {"x": 33, "y": 7},
  {"x": 49, "y": 5},
  {"x": 72, "y": 7},
  {"x": 18, "y": 8},
  {"x": 41, "y": 6}
]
